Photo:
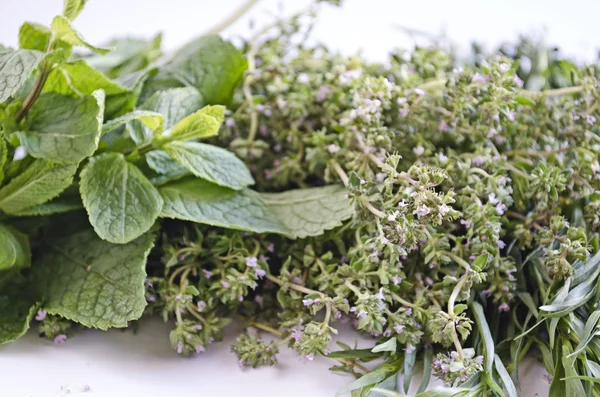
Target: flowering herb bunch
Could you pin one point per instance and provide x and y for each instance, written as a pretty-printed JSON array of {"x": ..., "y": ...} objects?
[{"x": 450, "y": 213}]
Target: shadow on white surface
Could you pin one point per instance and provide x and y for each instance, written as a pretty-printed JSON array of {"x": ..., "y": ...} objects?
[{"x": 118, "y": 363}]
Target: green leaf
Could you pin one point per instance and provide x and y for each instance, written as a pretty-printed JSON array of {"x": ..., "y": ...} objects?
[
  {"x": 78, "y": 79},
  {"x": 574, "y": 387},
  {"x": 173, "y": 104},
  {"x": 34, "y": 36},
  {"x": 18, "y": 308},
  {"x": 389, "y": 384},
  {"x": 371, "y": 378},
  {"x": 130, "y": 55},
  {"x": 409, "y": 365},
  {"x": 210, "y": 64},
  {"x": 94, "y": 282},
  {"x": 3, "y": 158},
  {"x": 40, "y": 182},
  {"x": 161, "y": 162},
  {"x": 579, "y": 295},
  {"x": 427, "y": 360},
  {"x": 14, "y": 249},
  {"x": 72, "y": 8},
  {"x": 310, "y": 212},
  {"x": 152, "y": 120},
  {"x": 200, "y": 201},
  {"x": 212, "y": 163},
  {"x": 444, "y": 392},
  {"x": 57, "y": 206},
  {"x": 15, "y": 68},
  {"x": 62, "y": 30},
  {"x": 121, "y": 203},
  {"x": 202, "y": 124},
  {"x": 62, "y": 128},
  {"x": 528, "y": 301},
  {"x": 590, "y": 330},
  {"x": 488, "y": 340},
  {"x": 507, "y": 381},
  {"x": 364, "y": 354},
  {"x": 387, "y": 346}
]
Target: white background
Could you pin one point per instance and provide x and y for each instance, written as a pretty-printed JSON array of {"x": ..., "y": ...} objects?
[{"x": 121, "y": 364}]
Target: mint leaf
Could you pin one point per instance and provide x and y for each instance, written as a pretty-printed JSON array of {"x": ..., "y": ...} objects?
[
  {"x": 152, "y": 120},
  {"x": 62, "y": 30},
  {"x": 15, "y": 68},
  {"x": 39, "y": 183},
  {"x": 57, "y": 206},
  {"x": 212, "y": 65},
  {"x": 200, "y": 201},
  {"x": 162, "y": 163},
  {"x": 94, "y": 282},
  {"x": 18, "y": 309},
  {"x": 78, "y": 78},
  {"x": 129, "y": 56},
  {"x": 212, "y": 163},
  {"x": 121, "y": 203},
  {"x": 3, "y": 158},
  {"x": 173, "y": 104},
  {"x": 72, "y": 8},
  {"x": 34, "y": 36},
  {"x": 310, "y": 212},
  {"x": 14, "y": 249},
  {"x": 63, "y": 128},
  {"x": 202, "y": 124}
]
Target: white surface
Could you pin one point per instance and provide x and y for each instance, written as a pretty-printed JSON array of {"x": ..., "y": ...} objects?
[
  {"x": 121, "y": 364},
  {"x": 360, "y": 24},
  {"x": 117, "y": 363}
]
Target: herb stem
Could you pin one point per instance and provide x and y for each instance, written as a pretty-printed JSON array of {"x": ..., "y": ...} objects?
[
  {"x": 516, "y": 215},
  {"x": 353, "y": 288},
  {"x": 265, "y": 327},
  {"x": 370, "y": 207},
  {"x": 340, "y": 171},
  {"x": 459, "y": 260},
  {"x": 237, "y": 14},
  {"x": 295, "y": 287}
]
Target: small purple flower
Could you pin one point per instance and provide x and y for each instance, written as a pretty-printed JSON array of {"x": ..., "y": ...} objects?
[
  {"x": 410, "y": 349},
  {"x": 323, "y": 93},
  {"x": 148, "y": 283},
  {"x": 361, "y": 314},
  {"x": 207, "y": 273},
  {"x": 211, "y": 340},
  {"x": 466, "y": 223},
  {"x": 338, "y": 314},
  {"x": 178, "y": 297},
  {"x": 419, "y": 92},
  {"x": 479, "y": 359},
  {"x": 297, "y": 335},
  {"x": 501, "y": 244},
  {"x": 443, "y": 126},
  {"x": 310, "y": 357},
  {"x": 260, "y": 273},
  {"x": 510, "y": 115},
  {"x": 387, "y": 333},
  {"x": 503, "y": 308},
  {"x": 480, "y": 78},
  {"x": 260, "y": 108},
  {"x": 422, "y": 211},
  {"x": 404, "y": 112},
  {"x": 419, "y": 150},
  {"x": 251, "y": 261},
  {"x": 60, "y": 339},
  {"x": 409, "y": 311},
  {"x": 307, "y": 302},
  {"x": 505, "y": 288},
  {"x": 399, "y": 328},
  {"x": 478, "y": 160},
  {"x": 436, "y": 363},
  {"x": 225, "y": 284},
  {"x": 180, "y": 257},
  {"x": 201, "y": 306},
  {"x": 590, "y": 119},
  {"x": 179, "y": 347},
  {"x": 428, "y": 282},
  {"x": 500, "y": 208},
  {"x": 396, "y": 280},
  {"x": 503, "y": 67},
  {"x": 317, "y": 301},
  {"x": 518, "y": 82},
  {"x": 379, "y": 296},
  {"x": 200, "y": 349},
  {"x": 493, "y": 199},
  {"x": 41, "y": 315},
  {"x": 333, "y": 148},
  {"x": 150, "y": 298},
  {"x": 230, "y": 123}
]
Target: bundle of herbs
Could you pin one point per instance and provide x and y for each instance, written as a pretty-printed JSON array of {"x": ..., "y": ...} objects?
[{"x": 295, "y": 189}]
